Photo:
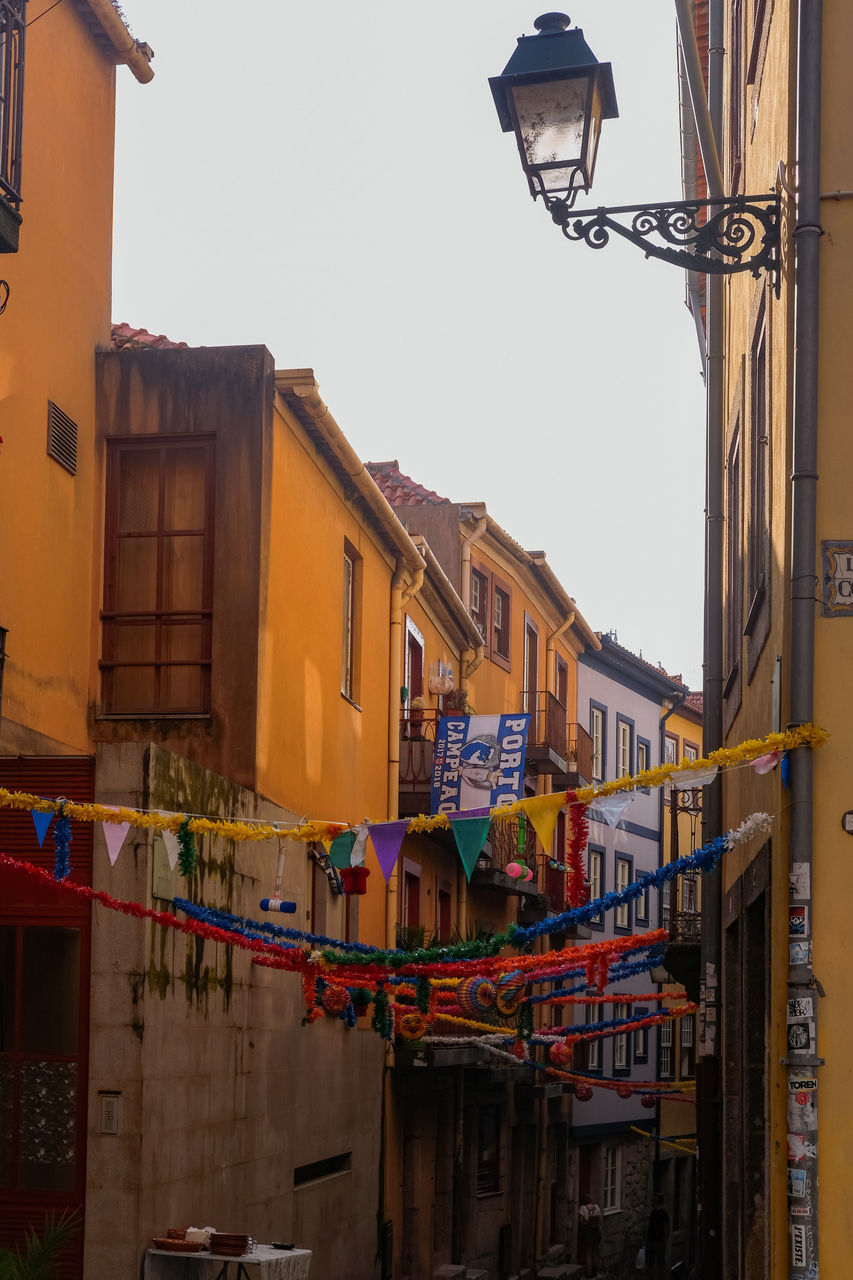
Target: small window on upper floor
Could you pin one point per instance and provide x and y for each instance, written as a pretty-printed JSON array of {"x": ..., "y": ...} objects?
[
  {"x": 500, "y": 647},
  {"x": 351, "y": 624},
  {"x": 12, "y": 32},
  {"x": 158, "y": 576},
  {"x": 624, "y": 748},
  {"x": 480, "y": 602},
  {"x": 596, "y": 731}
]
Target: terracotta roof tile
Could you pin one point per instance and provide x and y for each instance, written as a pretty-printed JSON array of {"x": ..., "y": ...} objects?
[
  {"x": 126, "y": 338},
  {"x": 399, "y": 489}
]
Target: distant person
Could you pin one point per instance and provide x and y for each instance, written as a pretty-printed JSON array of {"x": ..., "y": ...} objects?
[
  {"x": 657, "y": 1233},
  {"x": 589, "y": 1234}
]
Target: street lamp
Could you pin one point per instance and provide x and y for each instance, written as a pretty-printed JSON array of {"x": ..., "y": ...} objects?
[{"x": 553, "y": 94}]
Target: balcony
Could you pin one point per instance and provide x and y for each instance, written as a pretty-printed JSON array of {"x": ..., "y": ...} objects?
[
  {"x": 554, "y": 745},
  {"x": 417, "y": 745}
]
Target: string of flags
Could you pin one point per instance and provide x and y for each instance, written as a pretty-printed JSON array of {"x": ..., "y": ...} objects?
[{"x": 346, "y": 844}]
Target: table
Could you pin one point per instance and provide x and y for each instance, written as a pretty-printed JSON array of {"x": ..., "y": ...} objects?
[{"x": 265, "y": 1263}]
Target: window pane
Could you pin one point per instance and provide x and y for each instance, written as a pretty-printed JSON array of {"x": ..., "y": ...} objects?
[
  {"x": 132, "y": 690},
  {"x": 184, "y": 488},
  {"x": 183, "y": 572},
  {"x": 139, "y": 490},
  {"x": 182, "y": 642},
  {"x": 134, "y": 644},
  {"x": 136, "y": 586},
  {"x": 47, "y": 1132},
  {"x": 50, "y": 985},
  {"x": 181, "y": 689}
]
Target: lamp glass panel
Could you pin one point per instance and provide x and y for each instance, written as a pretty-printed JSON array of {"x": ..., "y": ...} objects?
[{"x": 551, "y": 118}]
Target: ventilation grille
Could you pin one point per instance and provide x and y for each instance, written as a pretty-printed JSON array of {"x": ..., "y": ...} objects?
[{"x": 61, "y": 438}]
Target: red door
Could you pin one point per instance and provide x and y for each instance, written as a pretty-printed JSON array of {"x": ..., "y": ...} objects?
[{"x": 44, "y": 1012}]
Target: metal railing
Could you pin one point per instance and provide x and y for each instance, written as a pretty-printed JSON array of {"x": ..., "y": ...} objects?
[
  {"x": 580, "y": 752},
  {"x": 417, "y": 745},
  {"x": 12, "y": 29},
  {"x": 549, "y": 720}
]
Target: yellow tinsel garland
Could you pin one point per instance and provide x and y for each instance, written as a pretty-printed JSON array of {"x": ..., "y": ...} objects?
[{"x": 806, "y": 735}]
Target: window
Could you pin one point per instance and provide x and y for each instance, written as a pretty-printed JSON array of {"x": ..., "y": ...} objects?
[
  {"x": 641, "y": 908},
  {"x": 620, "y": 1043},
  {"x": 593, "y": 1047},
  {"x": 597, "y": 724},
  {"x": 642, "y": 756},
  {"x": 158, "y": 577},
  {"x": 666, "y": 1049},
  {"x": 623, "y": 879},
  {"x": 687, "y": 1064},
  {"x": 351, "y": 625},
  {"x": 595, "y": 865},
  {"x": 734, "y": 560},
  {"x": 760, "y": 13},
  {"x": 758, "y": 534},
  {"x": 488, "y": 1150},
  {"x": 641, "y": 1036},
  {"x": 531, "y": 671},
  {"x": 12, "y": 28},
  {"x": 443, "y": 923},
  {"x": 610, "y": 1180},
  {"x": 670, "y": 756},
  {"x": 413, "y": 676},
  {"x": 691, "y": 751},
  {"x": 561, "y": 682},
  {"x": 624, "y": 747},
  {"x": 500, "y": 646},
  {"x": 480, "y": 602}
]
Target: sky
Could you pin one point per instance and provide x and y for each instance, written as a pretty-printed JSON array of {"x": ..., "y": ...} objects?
[{"x": 330, "y": 179}]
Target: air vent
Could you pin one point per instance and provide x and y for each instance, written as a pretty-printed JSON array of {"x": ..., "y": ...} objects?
[{"x": 61, "y": 438}]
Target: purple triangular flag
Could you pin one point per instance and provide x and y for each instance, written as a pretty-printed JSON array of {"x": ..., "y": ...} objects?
[
  {"x": 41, "y": 821},
  {"x": 470, "y": 834},
  {"x": 114, "y": 834},
  {"x": 387, "y": 838}
]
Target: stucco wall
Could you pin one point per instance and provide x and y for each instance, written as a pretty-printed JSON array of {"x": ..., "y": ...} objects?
[{"x": 223, "y": 1093}]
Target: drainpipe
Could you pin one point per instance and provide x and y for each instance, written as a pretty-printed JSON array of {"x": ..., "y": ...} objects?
[
  {"x": 807, "y": 234},
  {"x": 708, "y": 114},
  {"x": 468, "y": 540},
  {"x": 404, "y": 585}
]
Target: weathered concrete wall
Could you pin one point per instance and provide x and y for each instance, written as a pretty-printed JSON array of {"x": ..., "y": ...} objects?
[{"x": 223, "y": 1093}]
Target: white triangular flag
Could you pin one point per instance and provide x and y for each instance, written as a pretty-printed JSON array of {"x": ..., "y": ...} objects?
[
  {"x": 359, "y": 849},
  {"x": 611, "y": 808},
  {"x": 114, "y": 834},
  {"x": 685, "y": 779}
]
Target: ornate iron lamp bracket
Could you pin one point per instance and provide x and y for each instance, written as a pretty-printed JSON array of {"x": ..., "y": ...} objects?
[{"x": 714, "y": 237}]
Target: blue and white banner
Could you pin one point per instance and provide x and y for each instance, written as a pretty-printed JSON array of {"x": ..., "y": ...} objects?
[{"x": 478, "y": 762}]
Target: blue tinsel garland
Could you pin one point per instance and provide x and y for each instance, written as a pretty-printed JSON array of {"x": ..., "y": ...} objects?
[{"x": 61, "y": 845}]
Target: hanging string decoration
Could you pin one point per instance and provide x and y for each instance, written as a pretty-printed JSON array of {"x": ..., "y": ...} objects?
[
  {"x": 62, "y": 844},
  {"x": 187, "y": 858},
  {"x": 577, "y": 890}
]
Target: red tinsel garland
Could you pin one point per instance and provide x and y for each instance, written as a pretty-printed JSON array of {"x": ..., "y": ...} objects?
[{"x": 577, "y": 889}]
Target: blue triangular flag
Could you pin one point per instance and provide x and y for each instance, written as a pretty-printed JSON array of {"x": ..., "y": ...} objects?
[{"x": 41, "y": 822}]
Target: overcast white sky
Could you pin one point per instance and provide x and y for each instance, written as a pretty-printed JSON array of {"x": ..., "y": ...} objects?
[{"x": 329, "y": 178}]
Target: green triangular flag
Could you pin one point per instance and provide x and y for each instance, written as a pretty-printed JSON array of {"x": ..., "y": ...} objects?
[
  {"x": 470, "y": 835},
  {"x": 340, "y": 851}
]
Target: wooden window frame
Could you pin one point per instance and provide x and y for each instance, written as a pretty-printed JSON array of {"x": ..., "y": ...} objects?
[
  {"x": 483, "y": 615},
  {"x": 611, "y": 1185},
  {"x": 736, "y": 97},
  {"x": 500, "y": 587},
  {"x": 733, "y": 594},
  {"x": 351, "y": 625},
  {"x": 596, "y": 707},
  {"x": 624, "y": 722},
  {"x": 112, "y": 618},
  {"x": 622, "y": 912},
  {"x": 599, "y": 852},
  {"x": 622, "y": 1042}
]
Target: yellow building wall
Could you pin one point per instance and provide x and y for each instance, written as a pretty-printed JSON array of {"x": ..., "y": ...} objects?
[
  {"x": 58, "y": 312},
  {"x": 317, "y": 752}
]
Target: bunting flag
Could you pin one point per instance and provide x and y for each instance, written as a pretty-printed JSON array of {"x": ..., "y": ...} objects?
[
  {"x": 387, "y": 839},
  {"x": 611, "y": 808},
  {"x": 542, "y": 812},
  {"x": 359, "y": 848},
  {"x": 114, "y": 834},
  {"x": 340, "y": 850},
  {"x": 41, "y": 822},
  {"x": 685, "y": 779},
  {"x": 470, "y": 835},
  {"x": 170, "y": 840}
]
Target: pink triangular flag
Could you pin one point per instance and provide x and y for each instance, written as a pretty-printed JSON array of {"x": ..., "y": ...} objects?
[
  {"x": 114, "y": 834},
  {"x": 387, "y": 838}
]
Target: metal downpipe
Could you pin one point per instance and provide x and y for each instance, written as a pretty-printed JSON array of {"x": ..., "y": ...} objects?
[{"x": 807, "y": 234}]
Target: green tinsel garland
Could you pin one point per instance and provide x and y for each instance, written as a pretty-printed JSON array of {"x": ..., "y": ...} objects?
[
  {"x": 422, "y": 995},
  {"x": 480, "y": 949},
  {"x": 525, "y": 1021},
  {"x": 186, "y": 849},
  {"x": 381, "y": 1020}
]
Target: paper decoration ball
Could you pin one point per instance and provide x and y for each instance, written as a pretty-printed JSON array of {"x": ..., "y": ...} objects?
[
  {"x": 335, "y": 999},
  {"x": 473, "y": 995},
  {"x": 624, "y": 1090},
  {"x": 529, "y": 875},
  {"x": 560, "y": 1053},
  {"x": 515, "y": 870},
  {"x": 649, "y": 1101},
  {"x": 583, "y": 1092},
  {"x": 508, "y": 993},
  {"x": 412, "y": 1026}
]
